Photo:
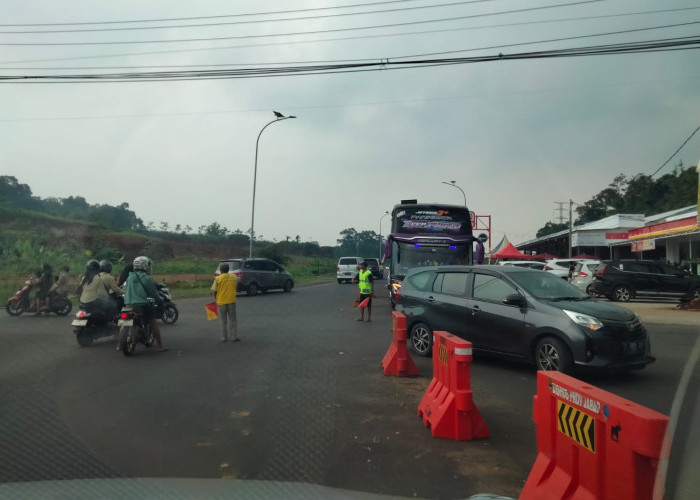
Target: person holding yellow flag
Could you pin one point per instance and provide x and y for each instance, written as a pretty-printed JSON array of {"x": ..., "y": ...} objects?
[{"x": 224, "y": 288}]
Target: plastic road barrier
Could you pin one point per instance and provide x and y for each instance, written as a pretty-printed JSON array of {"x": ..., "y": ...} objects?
[
  {"x": 592, "y": 444},
  {"x": 397, "y": 361},
  {"x": 447, "y": 406}
]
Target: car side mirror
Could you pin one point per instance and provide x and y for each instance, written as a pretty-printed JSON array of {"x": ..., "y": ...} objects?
[{"x": 515, "y": 299}]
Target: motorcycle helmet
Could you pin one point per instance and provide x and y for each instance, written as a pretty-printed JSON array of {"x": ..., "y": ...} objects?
[
  {"x": 93, "y": 264},
  {"x": 142, "y": 263},
  {"x": 105, "y": 266}
]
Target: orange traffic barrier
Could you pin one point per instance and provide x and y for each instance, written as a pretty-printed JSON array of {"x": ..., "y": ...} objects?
[
  {"x": 397, "y": 361},
  {"x": 592, "y": 444},
  {"x": 447, "y": 406}
]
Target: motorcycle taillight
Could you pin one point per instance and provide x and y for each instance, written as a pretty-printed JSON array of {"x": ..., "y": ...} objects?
[
  {"x": 123, "y": 316},
  {"x": 81, "y": 314}
]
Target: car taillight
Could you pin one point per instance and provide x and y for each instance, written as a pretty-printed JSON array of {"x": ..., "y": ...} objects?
[
  {"x": 81, "y": 314},
  {"x": 582, "y": 274},
  {"x": 123, "y": 316},
  {"x": 600, "y": 270},
  {"x": 238, "y": 273},
  {"x": 548, "y": 268}
]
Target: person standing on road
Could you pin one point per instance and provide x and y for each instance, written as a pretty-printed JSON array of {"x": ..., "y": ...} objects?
[
  {"x": 224, "y": 289},
  {"x": 366, "y": 284}
]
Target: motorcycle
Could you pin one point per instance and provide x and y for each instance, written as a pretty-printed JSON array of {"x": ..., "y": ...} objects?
[
  {"x": 92, "y": 325},
  {"x": 166, "y": 308},
  {"x": 19, "y": 302},
  {"x": 132, "y": 330}
]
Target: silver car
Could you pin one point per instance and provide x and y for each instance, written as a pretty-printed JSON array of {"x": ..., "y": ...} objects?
[
  {"x": 583, "y": 275},
  {"x": 258, "y": 275}
]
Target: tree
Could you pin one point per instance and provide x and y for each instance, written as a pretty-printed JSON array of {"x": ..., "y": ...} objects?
[
  {"x": 164, "y": 226},
  {"x": 551, "y": 228}
]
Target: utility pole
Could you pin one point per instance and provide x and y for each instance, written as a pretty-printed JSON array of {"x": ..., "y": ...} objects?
[{"x": 571, "y": 209}]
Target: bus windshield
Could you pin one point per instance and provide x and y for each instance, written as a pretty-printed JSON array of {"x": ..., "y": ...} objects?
[{"x": 405, "y": 256}]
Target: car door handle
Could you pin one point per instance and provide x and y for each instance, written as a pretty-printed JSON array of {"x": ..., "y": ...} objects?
[
  {"x": 430, "y": 298},
  {"x": 475, "y": 310}
]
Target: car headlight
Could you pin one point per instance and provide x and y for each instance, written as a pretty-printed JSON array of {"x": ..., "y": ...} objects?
[{"x": 584, "y": 320}]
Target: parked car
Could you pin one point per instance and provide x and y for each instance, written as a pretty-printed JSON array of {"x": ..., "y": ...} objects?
[
  {"x": 521, "y": 314},
  {"x": 622, "y": 280},
  {"x": 256, "y": 275},
  {"x": 531, "y": 264},
  {"x": 347, "y": 268},
  {"x": 583, "y": 275},
  {"x": 560, "y": 267},
  {"x": 374, "y": 266}
]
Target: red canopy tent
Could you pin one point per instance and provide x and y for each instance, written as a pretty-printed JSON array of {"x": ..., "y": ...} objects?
[
  {"x": 509, "y": 252},
  {"x": 585, "y": 256}
]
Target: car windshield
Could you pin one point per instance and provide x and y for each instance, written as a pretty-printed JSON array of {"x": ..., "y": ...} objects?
[{"x": 547, "y": 286}]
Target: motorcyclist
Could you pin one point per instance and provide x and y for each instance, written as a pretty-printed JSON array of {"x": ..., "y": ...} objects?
[
  {"x": 115, "y": 293},
  {"x": 93, "y": 293},
  {"x": 139, "y": 288}
]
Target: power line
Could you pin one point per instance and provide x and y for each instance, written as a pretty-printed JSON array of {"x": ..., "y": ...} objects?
[
  {"x": 676, "y": 152},
  {"x": 222, "y": 16},
  {"x": 256, "y": 21},
  {"x": 684, "y": 43},
  {"x": 315, "y": 32},
  {"x": 158, "y": 52}
]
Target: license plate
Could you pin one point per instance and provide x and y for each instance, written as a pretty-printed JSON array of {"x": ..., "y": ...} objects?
[
  {"x": 348, "y": 274},
  {"x": 631, "y": 347},
  {"x": 79, "y": 322},
  {"x": 125, "y": 322}
]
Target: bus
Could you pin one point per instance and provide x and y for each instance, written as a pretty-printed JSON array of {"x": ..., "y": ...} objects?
[{"x": 428, "y": 234}]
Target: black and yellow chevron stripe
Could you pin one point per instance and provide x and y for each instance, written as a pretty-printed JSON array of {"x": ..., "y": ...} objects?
[{"x": 576, "y": 424}]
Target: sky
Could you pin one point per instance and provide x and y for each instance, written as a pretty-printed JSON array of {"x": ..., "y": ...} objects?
[{"x": 516, "y": 136}]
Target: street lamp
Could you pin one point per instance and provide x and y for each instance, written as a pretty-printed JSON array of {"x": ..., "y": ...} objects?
[
  {"x": 278, "y": 118},
  {"x": 380, "y": 234},
  {"x": 452, "y": 183}
]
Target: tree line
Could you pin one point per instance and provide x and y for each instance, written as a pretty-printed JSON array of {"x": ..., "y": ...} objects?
[{"x": 639, "y": 194}]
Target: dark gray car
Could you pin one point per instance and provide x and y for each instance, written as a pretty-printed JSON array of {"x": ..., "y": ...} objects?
[
  {"x": 521, "y": 314},
  {"x": 256, "y": 275}
]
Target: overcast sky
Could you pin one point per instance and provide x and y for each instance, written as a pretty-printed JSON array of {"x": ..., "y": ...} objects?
[{"x": 516, "y": 136}]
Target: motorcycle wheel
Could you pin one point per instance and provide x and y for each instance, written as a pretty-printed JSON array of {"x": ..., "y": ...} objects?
[
  {"x": 83, "y": 337},
  {"x": 127, "y": 340},
  {"x": 170, "y": 314},
  {"x": 14, "y": 307},
  {"x": 63, "y": 308}
]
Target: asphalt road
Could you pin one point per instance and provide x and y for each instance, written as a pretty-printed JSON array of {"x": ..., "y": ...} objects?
[{"x": 302, "y": 398}]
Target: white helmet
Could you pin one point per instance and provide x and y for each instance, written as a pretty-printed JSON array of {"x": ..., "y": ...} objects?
[{"x": 142, "y": 263}]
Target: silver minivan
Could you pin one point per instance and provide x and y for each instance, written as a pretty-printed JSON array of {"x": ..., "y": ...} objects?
[
  {"x": 258, "y": 275},
  {"x": 347, "y": 268}
]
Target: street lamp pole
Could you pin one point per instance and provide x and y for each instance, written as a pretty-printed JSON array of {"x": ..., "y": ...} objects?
[
  {"x": 279, "y": 118},
  {"x": 452, "y": 183},
  {"x": 380, "y": 234}
]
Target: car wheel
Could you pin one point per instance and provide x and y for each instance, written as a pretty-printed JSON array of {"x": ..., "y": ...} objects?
[
  {"x": 553, "y": 355},
  {"x": 622, "y": 293},
  {"x": 695, "y": 294},
  {"x": 252, "y": 289},
  {"x": 589, "y": 291},
  {"x": 288, "y": 286},
  {"x": 422, "y": 339},
  {"x": 340, "y": 282}
]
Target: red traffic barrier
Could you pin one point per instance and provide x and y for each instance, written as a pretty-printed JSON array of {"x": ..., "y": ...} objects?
[
  {"x": 447, "y": 406},
  {"x": 591, "y": 443},
  {"x": 397, "y": 361}
]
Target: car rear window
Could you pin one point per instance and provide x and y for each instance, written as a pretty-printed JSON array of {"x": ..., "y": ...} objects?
[
  {"x": 233, "y": 265},
  {"x": 421, "y": 281},
  {"x": 452, "y": 283},
  {"x": 347, "y": 262},
  {"x": 492, "y": 288}
]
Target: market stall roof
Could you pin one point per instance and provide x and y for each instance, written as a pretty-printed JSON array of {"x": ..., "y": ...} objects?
[
  {"x": 509, "y": 252},
  {"x": 584, "y": 256},
  {"x": 543, "y": 257}
]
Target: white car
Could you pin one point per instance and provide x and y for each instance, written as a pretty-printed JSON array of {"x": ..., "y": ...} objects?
[
  {"x": 583, "y": 275},
  {"x": 347, "y": 268},
  {"x": 560, "y": 267},
  {"x": 532, "y": 264}
]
